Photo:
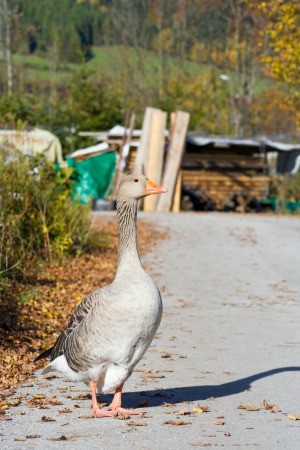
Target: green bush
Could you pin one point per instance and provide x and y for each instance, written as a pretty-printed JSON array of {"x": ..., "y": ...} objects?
[
  {"x": 286, "y": 189},
  {"x": 38, "y": 221}
]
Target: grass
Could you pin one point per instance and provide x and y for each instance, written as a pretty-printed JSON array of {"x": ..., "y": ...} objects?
[{"x": 111, "y": 62}]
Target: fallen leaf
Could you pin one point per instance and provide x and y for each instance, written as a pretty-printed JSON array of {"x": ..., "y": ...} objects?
[
  {"x": 81, "y": 397},
  {"x": 200, "y": 409},
  {"x": 54, "y": 401},
  {"x": 47, "y": 419},
  {"x": 137, "y": 424},
  {"x": 50, "y": 376},
  {"x": 218, "y": 422},
  {"x": 89, "y": 416},
  {"x": 39, "y": 396},
  {"x": 23, "y": 438},
  {"x": 153, "y": 376},
  {"x": 64, "y": 411},
  {"x": 33, "y": 436},
  {"x": 166, "y": 355},
  {"x": 249, "y": 408},
  {"x": 292, "y": 416},
  {"x": 3, "y": 406},
  {"x": 183, "y": 412},
  {"x": 176, "y": 422},
  {"x": 60, "y": 438},
  {"x": 16, "y": 403},
  {"x": 272, "y": 408}
]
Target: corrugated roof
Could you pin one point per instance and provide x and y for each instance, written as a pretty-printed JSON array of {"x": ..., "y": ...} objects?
[{"x": 227, "y": 141}]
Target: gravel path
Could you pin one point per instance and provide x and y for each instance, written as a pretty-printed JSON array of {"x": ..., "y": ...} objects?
[{"x": 230, "y": 336}]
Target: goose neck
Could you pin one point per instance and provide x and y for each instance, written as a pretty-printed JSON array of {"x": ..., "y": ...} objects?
[{"x": 126, "y": 218}]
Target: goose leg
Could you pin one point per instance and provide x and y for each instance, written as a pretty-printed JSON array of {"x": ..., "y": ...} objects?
[
  {"x": 115, "y": 405},
  {"x": 97, "y": 412}
]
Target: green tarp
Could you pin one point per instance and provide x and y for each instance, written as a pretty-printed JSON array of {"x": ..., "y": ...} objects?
[{"x": 93, "y": 176}]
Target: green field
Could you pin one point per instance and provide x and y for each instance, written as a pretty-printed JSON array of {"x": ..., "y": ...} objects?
[{"x": 114, "y": 62}]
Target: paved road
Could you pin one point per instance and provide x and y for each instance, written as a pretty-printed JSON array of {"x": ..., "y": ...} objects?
[{"x": 230, "y": 336}]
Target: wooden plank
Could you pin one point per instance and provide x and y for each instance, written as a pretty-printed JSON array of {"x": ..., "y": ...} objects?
[
  {"x": 173, "y": 161},
  {"x": 154, "y": 163},
  {"x": 142, "y": 152},
  {"x": 177, "y": 193},
  {"x": 129, "y": 127}
]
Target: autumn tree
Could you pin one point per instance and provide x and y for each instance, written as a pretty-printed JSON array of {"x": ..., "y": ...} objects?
[{"x": 280, "y": 41}]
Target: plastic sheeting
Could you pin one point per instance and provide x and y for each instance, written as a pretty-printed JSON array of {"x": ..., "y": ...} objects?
[{"x": 93, "y": 176}]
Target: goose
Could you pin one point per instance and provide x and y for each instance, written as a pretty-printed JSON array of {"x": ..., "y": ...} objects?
[{"x": 111, "y": 329}]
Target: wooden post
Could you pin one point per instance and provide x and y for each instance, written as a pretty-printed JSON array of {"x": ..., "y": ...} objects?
[
  {"x": 155, "y": 159},
  {"x": 173, "y": 162},
  {"x": 177, "y": 193},
  {"x": 142, "y": 152},
  {"x": 129, "y": 126}
]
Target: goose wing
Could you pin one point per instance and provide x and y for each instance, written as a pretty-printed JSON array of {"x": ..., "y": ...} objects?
[{"x": 77, "y": 317}]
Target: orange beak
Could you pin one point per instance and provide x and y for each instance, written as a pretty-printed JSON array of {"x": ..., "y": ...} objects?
[{"x": 152, "y": 188}]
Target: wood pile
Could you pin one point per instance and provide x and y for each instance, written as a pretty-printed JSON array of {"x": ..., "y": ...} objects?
[
  {"x": 218, "y": 174},
  {"x": 220, "y": 186}
]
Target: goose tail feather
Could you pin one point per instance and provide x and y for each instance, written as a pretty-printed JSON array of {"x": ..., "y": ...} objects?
[{"x": 45, "y": 354}]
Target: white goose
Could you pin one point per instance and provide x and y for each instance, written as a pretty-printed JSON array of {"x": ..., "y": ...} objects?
[{"x": 113, "y": 327}]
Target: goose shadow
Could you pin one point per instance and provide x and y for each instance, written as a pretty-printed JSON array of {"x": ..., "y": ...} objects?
[{"x": 156, "y": 397}]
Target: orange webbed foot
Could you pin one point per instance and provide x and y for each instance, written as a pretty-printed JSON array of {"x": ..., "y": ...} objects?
[
  {"x": 124, "y": 411},
  {"x": 97, "y": 412}
]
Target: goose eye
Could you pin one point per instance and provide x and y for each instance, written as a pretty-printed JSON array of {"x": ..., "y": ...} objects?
[{"x": 136, "y": 180}]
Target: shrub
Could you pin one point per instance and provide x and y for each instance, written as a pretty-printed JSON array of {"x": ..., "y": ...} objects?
[{"x": 38, "y": 221}]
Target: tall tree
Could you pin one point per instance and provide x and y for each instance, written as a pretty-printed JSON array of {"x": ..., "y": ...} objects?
[
  {"x": 6, "y": 28},
  {"x": 281, "y": 47}
]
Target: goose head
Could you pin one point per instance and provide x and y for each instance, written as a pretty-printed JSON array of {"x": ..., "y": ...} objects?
[{"x": 136, "y": 186}]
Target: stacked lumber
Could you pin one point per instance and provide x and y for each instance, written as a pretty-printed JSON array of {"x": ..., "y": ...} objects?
[{"x": 219, "y": 186}]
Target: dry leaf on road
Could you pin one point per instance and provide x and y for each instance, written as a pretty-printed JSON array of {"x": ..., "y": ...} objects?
[
  {"x": 47, "y": 419},
  {"x": 39, "y": 396},
  {"x": 183, "y": 412},
  {"x": 137, "y": 424},
  {"x": 60, "y": 438},
  {"x": 200, "y": 409},
  {"x": 64, "y": 411},
  {"x": 272, "y": 408},
  {"x": 176, "y": 422},
  {"x": 292, "y": 416},
  {"x": 218, "y": 422},
  {"x": 249, "y": 407}
]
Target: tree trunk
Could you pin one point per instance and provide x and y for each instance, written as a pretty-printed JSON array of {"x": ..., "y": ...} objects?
[{"x": 7, "y": 44}]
